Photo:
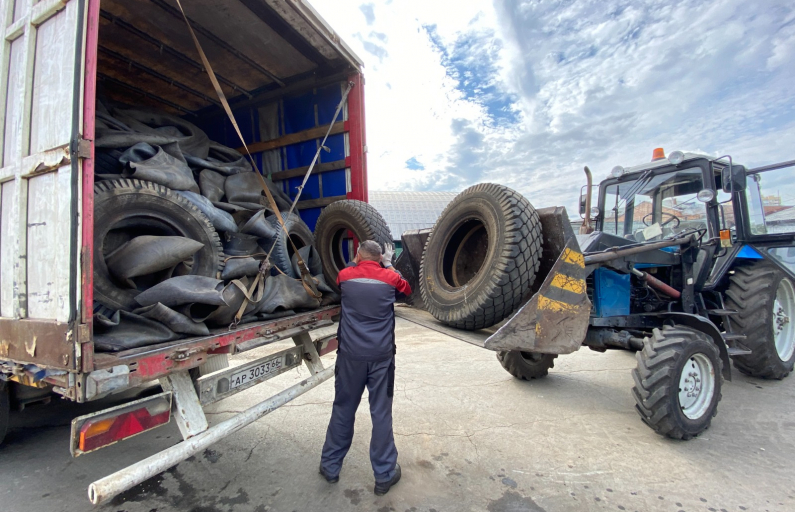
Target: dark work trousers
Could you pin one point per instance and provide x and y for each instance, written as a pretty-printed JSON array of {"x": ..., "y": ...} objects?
[{"x": 350, "y": 379}]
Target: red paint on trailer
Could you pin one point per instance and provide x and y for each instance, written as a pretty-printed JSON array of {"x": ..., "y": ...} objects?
[
  {"x": 89, "y": 112},
  {"x": 330, "y": 347},
  {"x": 356, "y": 139}
]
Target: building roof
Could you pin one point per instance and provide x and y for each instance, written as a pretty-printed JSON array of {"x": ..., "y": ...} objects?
[
  {"x": 786, "y": 214},
  {"x": 404, "y": 211}
]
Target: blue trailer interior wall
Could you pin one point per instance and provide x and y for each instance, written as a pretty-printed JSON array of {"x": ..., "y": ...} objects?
[{"x": 293, "y": 114}]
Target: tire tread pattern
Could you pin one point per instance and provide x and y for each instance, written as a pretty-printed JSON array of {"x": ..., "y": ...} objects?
[
  {"x": 655, "y": 376},
  {"x": 519, "y": 367},
  {"x": 514, "y": 269},
  {"x": 117, "y": 187},
  {"x": 751, "y": 293},
  {"x": 352, "y": 212}
]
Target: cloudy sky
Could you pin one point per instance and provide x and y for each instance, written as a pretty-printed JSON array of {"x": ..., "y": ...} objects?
[{"x": 525, "y": 93}]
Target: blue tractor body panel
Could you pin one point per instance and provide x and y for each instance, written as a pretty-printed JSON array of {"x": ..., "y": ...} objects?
[{"x": 611, "y": 293}]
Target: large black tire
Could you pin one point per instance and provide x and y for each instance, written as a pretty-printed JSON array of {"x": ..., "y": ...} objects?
[
  {"x": 481, "y": 257},
  {"x": 144, "y": 208},
  {"x": 5, "y": 409},
  {"x": 527, "y": 365},
  {"x": 753, "y": 293},
  {"x": 335, "y": 221},
  {"x": 658, "y": 389},
  {"x": 301, "y": 236}
]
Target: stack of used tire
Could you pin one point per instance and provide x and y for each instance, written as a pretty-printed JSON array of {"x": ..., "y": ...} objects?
[
  {"x": 479, "y": 264},
  {"x": 181, "y": 225}
]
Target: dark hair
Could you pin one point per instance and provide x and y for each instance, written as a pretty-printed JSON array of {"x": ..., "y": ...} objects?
[{"x": 370, "y": 250}]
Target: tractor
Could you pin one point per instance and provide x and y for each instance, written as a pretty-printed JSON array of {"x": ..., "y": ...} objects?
[{"x": 682, "y": 259}]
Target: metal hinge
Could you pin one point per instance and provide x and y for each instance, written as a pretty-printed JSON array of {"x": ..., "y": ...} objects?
[
  {"x": 84, "y": 148},
  {"x": 83, "y": 333}
]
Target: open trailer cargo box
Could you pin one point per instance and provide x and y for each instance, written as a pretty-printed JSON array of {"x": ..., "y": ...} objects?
[{"x": 284, "y": 71}]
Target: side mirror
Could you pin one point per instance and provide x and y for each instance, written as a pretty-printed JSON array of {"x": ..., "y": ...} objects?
[
  {"x": 733, "y": 178},
  {"x": 582, "y": 203}
]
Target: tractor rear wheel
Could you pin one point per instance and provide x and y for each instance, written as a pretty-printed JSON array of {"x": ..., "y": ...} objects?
[
  {"x": 677, "y": 382},
  {"x": 526, "y": 365},
  {"x": 764, "y": 298}
]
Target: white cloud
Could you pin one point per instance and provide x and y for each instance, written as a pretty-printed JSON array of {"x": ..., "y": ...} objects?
[{"x": 526, "y": 93}]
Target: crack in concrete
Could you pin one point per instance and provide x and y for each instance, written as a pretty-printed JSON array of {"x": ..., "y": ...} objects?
[
  {"x": 309, "y": 403},
  {"x": 264, "y": 436}
]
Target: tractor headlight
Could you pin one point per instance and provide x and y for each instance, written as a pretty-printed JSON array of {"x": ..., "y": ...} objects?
[
  {"x": 594, "y": 212},
  {"x": 676, "y": 157},
  {"x": 617, "y": 171},
  {"x": 706, "y": 195}
]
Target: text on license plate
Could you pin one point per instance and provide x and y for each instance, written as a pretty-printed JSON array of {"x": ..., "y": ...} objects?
[{"x": 255, "y": 373}]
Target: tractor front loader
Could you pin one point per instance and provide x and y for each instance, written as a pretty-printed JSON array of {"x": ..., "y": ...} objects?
[{"x": 680, "y": 260}]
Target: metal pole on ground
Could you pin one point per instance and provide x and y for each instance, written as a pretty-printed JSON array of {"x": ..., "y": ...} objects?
[{"x": 106, "y": 488}]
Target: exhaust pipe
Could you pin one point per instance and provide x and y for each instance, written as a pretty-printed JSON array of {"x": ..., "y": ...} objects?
[{"x": 586, "y": 227}]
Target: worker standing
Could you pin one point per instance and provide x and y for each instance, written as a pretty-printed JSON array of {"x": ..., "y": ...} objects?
[{"x": 366, "y": 357}]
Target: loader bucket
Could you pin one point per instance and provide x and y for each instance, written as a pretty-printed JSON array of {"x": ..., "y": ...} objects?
[{"x": 555, "y": 319}]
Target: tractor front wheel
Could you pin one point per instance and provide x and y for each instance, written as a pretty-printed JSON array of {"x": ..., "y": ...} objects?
[
  {"x": 526, "y": 365},
  {"x": 677, "y": 382}
]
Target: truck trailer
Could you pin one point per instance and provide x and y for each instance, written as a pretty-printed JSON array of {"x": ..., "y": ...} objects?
[{"x": 284, "y": 71}]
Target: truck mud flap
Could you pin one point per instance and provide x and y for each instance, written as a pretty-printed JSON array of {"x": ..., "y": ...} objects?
[{"x": 555, "y": 319}]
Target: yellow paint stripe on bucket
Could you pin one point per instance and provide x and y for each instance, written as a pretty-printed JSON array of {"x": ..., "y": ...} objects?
[
  {"x": 571, "y": 284},
  {"x": 573, "y": 257},
  {"x": 545, "y": 304}
]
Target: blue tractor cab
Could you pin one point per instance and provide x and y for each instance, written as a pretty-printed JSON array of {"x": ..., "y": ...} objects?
[{"x": 690, "y": 260}]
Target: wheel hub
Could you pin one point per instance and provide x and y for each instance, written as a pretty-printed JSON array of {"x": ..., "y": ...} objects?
[
  {"x": 696, "y": 386},
  {"x": 783, "y": 313}
]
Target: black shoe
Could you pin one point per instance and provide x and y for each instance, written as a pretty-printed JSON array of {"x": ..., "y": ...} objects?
[
  {"x": 329, "y": 479},
  {"x": 383, "y": 488}
]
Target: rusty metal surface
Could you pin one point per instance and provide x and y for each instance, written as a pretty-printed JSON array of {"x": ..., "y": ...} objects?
[
  {"x": 555, "y": 320},
  {"x": 327, "y": 345},
  {"x": 408, "y": 263},
  {"x": 425, "y": 319},
  {"x": 42, "y": 342},
  {"x": 557, "y": 231},
  {"x": 153, "y": 362}
]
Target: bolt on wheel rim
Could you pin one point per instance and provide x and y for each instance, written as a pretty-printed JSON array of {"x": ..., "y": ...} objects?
[
  {"x": 696, "y": 386},
  {"x": 783, "y": 317}
]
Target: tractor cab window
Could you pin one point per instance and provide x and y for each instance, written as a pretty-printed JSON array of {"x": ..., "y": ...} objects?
[
  {"x": 771, "y": 202},
  {"x": 653, "y": 207}
]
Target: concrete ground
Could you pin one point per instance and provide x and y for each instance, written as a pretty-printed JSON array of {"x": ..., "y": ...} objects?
[{"x": 470, "y": 437}]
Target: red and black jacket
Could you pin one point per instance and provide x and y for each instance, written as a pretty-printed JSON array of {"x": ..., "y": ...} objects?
[{"x": 367, "y": 321}]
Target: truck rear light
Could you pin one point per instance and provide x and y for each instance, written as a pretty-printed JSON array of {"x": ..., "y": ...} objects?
[{"x": 103, "y": 428}]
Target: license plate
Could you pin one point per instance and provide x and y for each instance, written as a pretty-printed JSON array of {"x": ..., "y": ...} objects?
[{"x": 256, "y": 373}]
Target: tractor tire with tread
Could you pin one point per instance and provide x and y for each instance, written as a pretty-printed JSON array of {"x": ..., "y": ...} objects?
[
  {"x": 526, "y": 365},
  {"x": 361, "y": 219},
  {"x": 752, "y": 292},
  {"x": 482, "y": 257},
  {"x": 658, "y": 382},
  {"x": 146, "y": 208}
]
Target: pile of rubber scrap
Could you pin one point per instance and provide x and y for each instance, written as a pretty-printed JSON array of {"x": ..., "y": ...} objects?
[{"x": 181, "y": 229}]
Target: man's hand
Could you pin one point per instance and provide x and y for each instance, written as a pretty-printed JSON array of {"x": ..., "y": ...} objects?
[{"x": 386, "y": 258}]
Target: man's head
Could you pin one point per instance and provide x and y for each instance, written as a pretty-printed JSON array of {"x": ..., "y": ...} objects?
[{"x": 369, "y": 250}]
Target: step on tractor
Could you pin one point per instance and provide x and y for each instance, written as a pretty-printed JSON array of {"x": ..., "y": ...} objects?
[{"x": 683, "y": 259}]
